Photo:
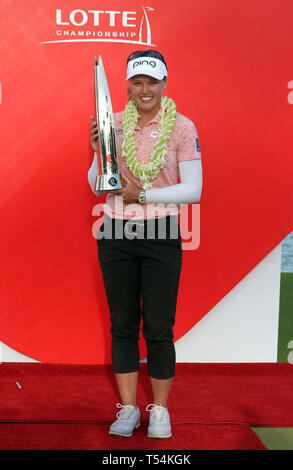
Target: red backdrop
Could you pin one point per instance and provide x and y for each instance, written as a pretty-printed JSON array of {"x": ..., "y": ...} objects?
[{"x": 229, "y": 68}]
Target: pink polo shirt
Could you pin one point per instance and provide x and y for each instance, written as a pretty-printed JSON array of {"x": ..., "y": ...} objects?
[{"x": 182, "y": 146}]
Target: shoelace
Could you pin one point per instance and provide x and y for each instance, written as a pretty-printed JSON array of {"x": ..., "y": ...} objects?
[
  {"x": 156, "y": 411},
  {"x": 125, "y": 411}
]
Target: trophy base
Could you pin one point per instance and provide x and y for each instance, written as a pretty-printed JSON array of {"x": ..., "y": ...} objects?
[{"x": 108, "y": 182}]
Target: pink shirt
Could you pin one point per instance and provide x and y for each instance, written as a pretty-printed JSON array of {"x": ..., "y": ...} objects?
[{"x": 182, "y": 146}]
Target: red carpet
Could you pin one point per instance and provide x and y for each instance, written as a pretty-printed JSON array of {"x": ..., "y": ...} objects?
[
  {"x": 95, "y": 437},
  {"x": 227, "y": 394}
]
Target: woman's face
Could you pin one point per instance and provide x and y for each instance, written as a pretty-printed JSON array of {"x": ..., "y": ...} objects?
[{"x": 147, "y": 92}]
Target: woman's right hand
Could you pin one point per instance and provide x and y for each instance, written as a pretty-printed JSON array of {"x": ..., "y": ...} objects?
[{"x": 94, "y": 137}]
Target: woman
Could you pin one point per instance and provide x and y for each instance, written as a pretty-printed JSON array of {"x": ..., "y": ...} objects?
[{"x": 155, "y": 145}]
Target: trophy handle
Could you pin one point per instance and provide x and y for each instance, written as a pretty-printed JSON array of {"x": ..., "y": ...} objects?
[{"x": 106, "y": 182}]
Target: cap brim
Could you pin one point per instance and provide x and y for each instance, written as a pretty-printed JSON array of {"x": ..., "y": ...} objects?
[{"x": 158, "y": 76}]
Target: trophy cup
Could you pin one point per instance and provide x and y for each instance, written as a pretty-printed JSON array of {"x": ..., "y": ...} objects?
[{"x": 110, "y": 177}]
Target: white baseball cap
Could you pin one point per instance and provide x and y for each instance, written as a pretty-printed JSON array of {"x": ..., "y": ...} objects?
[{"x": 146, "y": 66}]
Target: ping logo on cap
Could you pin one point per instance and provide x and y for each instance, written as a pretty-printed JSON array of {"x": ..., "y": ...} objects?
[
  {"x": 152, "y": 63},
  {"x": 146, "y": 66}
]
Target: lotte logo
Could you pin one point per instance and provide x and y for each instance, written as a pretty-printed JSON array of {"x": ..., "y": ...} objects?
[{"x": 103, "y": 26}]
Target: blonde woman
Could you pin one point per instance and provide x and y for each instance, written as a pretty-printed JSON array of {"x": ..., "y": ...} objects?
[{"x": 139, "y": 243}]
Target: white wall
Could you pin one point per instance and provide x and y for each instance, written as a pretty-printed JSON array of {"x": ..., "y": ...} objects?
[{"x": 243, "y": 326}]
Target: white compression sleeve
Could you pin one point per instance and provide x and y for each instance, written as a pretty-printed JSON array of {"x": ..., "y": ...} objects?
[
  {"x": 186, "y": 192},
  {"x": 92, "y": 175}
]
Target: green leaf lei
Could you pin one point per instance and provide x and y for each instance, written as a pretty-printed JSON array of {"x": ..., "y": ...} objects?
[{"x": 145, "y": 172}]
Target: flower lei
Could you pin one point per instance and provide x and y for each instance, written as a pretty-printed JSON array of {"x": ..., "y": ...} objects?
[{"x": 145, "y": 172}]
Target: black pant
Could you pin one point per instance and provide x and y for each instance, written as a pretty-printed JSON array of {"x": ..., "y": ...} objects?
[{"x": 141, "y": 277}]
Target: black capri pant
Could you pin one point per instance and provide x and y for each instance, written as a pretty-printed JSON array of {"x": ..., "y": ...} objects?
[{"x": 141, "y": 268}]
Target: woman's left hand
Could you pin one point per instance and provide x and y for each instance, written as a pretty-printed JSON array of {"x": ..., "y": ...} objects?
[{"x": 130, "y": 192}]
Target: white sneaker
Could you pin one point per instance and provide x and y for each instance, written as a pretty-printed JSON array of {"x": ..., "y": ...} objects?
[
  {"x": 128, "y": 419},
  {"x": 159, "y": 422}
]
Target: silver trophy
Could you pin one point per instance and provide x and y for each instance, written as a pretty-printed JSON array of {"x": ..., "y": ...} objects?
[{"x": 110, "y": 177}]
